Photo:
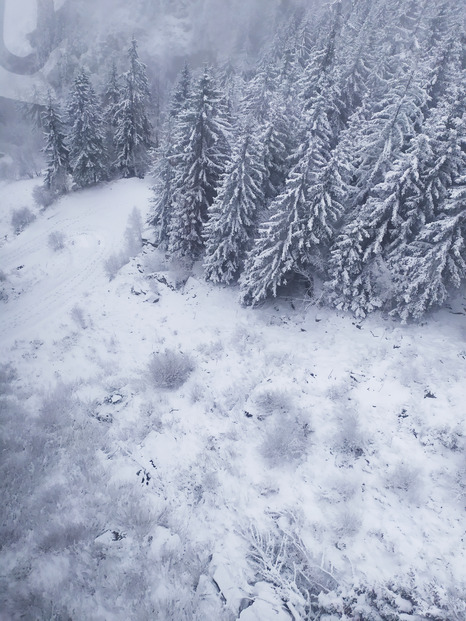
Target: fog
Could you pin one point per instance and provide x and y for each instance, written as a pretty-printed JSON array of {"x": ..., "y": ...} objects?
[
  {"x": 45, "y": 42},
  {"x": 38, "y": 35}
]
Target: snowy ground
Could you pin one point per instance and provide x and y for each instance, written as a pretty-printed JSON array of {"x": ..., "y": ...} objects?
[{"x": 305, "y": 452}]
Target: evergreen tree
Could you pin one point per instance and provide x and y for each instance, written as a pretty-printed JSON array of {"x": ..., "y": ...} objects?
[
  {"x": 165, "y": 158},
  {"x": 200, "y": 156},
  {"x": 111, "y": 101},
  {"x": 280, "y": 248},
  {"x": 295, "y": 237},
  {"x": 233, "y": 215},
  {"x": 349, "y": 286},
  {"x": 259, "y": 92},
  {"x": 88, "y": 158},
  {"x": 133, "y": 131},
  {"x": 378, "y": 136},
  {"x": 181, "y": 93},
  {"x": 429, "y": 265},
  {"x": 56, "y": 151},
  {"x": 163, "y": 190},
  {"x": 413, "y": 192},
  {"x": 274, "y": 143},
  {"x": 432, "y": 265}
]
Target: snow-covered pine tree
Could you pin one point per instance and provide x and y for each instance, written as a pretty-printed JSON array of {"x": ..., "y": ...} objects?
[
  {"x": 433, "y": 265},
  {"x": 162, "y": 199},
  {"x": 56, "y": 151},
  {"x": 322, "y": 57},
  {"x": 446, "y": 132},
  {"x": 374, "y": 142},
  {"x": 88, "y": 158},
  {"x": 295, "y": 237},
  {"x": 415, "y": 172},
  {"x": 166, "y": 160},
  {"x": 427, "y": 267},
  {"x": 393, "y": 215},
  {"x": 201, "y": 153},
  {"x": 233, "y": 215},
  {"x": 259, "y": 91},
  {"x": 349, "y": 286},
  {"x": 133, "y": 131},
  {"x": 281, "y": 246},
  {"x": 274, "y": 144},
  {"x": 354, "y": 58},
  {"x": 376, "y": 137},
  {"x": 111, "y": 100},
  {"x": 231, "y": 83},
  {"x": 181, "y": 93}
]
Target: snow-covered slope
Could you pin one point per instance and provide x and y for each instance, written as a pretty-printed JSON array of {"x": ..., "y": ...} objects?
[{"x": 296, "y": 451}]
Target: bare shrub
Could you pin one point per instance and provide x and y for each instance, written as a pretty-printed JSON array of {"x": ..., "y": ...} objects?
[
  {"x": 154, "y": 261},
  {"x": 56, "y": 241},
  {"x": 21, "y": 219},
  {"x": 170, "y": 369},
  {"x": 213, "y": 350},
  {"x": 286, "y": 441}
]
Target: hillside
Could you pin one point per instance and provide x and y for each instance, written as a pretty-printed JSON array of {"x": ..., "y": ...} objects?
[{"x": 170, "y": 454}]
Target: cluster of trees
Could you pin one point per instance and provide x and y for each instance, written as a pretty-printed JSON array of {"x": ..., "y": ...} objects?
[
  {"x": 341, "y": 156},
  {"x": 99, "y": 138}
]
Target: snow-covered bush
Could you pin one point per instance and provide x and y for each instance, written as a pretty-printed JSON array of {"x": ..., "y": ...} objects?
[
  {"x": 346, "y": 525},
  {"x": 7, "y": 376},
  {"x": 349, "y": 438},
  {"x": 43, "y": 197},
  {"x": 132, "y": 246},
  {"x": 56, "y": 241},
  {"x": 57, "y": 406},
  {"x": 114, "y": 263},
  {"x": 286, "y": 441},
  {"x": 180, "y": 271},
  {"x": 170, "y": 369},
  {"x": 21, "y": 218},
  {"x": 197, "y": 393},
  {"x": 282, "y": 559},
  {"x": 272, "y": 400},
  {"x": 405, "y": 479}
]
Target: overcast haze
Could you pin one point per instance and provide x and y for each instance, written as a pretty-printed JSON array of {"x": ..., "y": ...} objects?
[{"x": 168, "y": 32}]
